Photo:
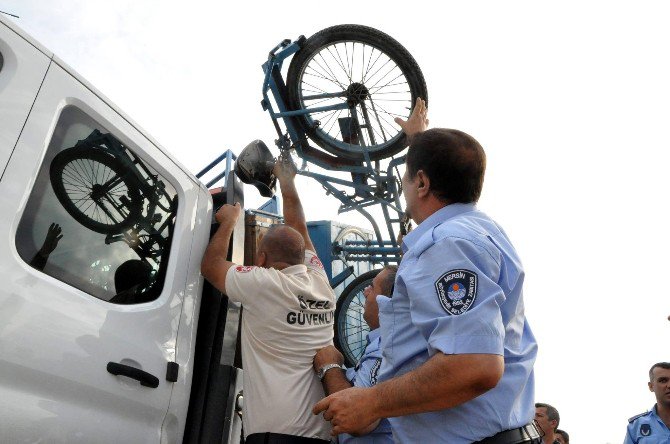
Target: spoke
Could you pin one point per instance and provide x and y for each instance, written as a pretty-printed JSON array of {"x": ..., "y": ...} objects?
[
  {"x": 80, "y": 169},
  {"x": 404, "y": 116},
  {"x": 363, "y": 63},
  {"x": 328, "y": 119},
  {"x": 332, "y": 73},
  {"x": 320, "y": 101},
  {"x": 316, "y": 87},
  {"x": 346, "y": 73},
  {"x": 369, "y": 67},
  {"x": 390, "y": 81},
  {"x": 320, "y": 76},
  {"x": 323, "y": 72},
  {"x": 394, "y": 100},
  {"x": 378, "y": 117},
  {"x": 76, "y": 178},
  {"x": 391, "y": 92},
  {"x": 337, "y": 59},
  {"x": 379, "y": 69},
  {"x": 346, "y": 52},
  {"x": 334, "y": 121},
  {"x": 384, "y": 86},
  {"x": 393, "y": 68},
  {"x": 353, "y": 53}
]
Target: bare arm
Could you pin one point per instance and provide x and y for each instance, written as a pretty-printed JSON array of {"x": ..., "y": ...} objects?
[
  {"x": 215, "y": 263},
  {"x": 50, "y": 243},
  {"x": 335, "y": 379},
  {"x": 444, "y": 381},
  {"x": 294, "y": 216}
]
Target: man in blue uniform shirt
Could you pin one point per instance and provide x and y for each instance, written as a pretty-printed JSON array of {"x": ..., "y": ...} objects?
[
  {"x": 458, "y": 352},
  {"x": 652, "y": 427},
  {"x": 328, "y": 360}
]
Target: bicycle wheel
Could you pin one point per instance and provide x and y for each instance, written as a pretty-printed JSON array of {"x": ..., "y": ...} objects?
[
  {"x": 368, "y": 70},
  {"x": 350, "y": 328},
  {"x": 95, "y": 190}
]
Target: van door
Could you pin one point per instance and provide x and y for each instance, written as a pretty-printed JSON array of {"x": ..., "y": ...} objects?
[
  {"x": 22, "y": 68},
  {"x": 95, "y": 236}
]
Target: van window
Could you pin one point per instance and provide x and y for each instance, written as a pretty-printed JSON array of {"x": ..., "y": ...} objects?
[{"x": 98, "y": 218}]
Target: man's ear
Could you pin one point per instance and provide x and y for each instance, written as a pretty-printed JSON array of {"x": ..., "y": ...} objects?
[
  {"x": 261, "y": 259},
  {"x": 651, "y": 388},
  {"x": 423, "y": 184}
]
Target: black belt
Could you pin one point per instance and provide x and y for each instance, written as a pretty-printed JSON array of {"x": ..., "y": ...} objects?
[
  {"x": 526, "y": 434},
  {"x": 279, "y": 438}
]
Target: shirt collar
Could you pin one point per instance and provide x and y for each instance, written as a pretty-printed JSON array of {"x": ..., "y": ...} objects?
[{"x": 435, "y": 219}]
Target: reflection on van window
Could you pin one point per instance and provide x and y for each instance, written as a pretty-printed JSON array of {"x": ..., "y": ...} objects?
[
  {"x": 2, "y": 61},
  {"x": 98, "y": 217}
]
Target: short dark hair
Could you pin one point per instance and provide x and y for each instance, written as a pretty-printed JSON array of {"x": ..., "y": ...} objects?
[
  {"x": 552, "y": 413},
  {"x": 565, "y": 435},
  {"x": 665, "y": 365},
  {"x": 387, "y": 285},
  {"x": 453, "y": 161}
]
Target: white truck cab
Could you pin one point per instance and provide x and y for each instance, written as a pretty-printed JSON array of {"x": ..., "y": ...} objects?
[{"x": 101, "y": 237}]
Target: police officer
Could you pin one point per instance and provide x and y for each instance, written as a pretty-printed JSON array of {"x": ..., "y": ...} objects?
[
  {"x": 328, "y": 360},
  {"x": 652, "y": 427},
  {"x": 458, "y": 353}
]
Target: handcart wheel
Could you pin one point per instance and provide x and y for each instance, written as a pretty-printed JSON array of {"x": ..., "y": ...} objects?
[
  {"x": 350, "y": 328},
  {"x": 370, "y": 71}
]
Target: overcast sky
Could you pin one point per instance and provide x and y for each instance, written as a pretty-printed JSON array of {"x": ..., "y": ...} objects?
[{"x": 570, "y": 100}]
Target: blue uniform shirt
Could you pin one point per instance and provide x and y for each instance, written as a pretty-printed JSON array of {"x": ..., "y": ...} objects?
[
  {"x": 459, "y": 290},
  {"x": 365, "y": 374},
  {"x": 647, "y": 428}
]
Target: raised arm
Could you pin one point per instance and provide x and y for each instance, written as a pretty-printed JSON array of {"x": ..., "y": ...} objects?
[
  {"x": 417, "y": 122},
  {"x": 294, "y": 216},
  {"x": 215, "y": 263}
]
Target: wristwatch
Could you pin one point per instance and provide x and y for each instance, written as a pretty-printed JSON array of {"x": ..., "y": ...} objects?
[{"x": 325, "y": 368}]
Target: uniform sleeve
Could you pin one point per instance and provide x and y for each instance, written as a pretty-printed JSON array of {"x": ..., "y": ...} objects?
[
  {"x": 313, "y": 263},
  {"x": 629, "y": 436},
  {"x": 243, "y": 283},
  {"x": 454, "y": 298}
]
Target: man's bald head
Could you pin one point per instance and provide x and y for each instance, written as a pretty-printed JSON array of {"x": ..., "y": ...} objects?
[{"x": 282, "y": 243}]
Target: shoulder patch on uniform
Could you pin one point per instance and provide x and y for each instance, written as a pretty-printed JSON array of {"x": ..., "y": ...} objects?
[
  {"x": 243, "y": 268},
  {"x": 314, "y": 260},
  {"x": 645, "y": 429},
  {"x": 457, "y": 291},
  {"x": 638, "y": 416}
]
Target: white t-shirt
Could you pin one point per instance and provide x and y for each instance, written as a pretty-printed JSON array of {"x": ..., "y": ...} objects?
[{"x": 288, "y": 316}]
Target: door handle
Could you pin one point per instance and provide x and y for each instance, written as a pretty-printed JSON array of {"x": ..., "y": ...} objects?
[{"x": 146, "y": 379}]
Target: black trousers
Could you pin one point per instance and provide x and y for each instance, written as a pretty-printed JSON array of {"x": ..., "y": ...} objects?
[{"x": 279, "y": 438}]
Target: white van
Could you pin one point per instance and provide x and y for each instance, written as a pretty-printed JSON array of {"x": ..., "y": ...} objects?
[{"x": 89, "y": 355}]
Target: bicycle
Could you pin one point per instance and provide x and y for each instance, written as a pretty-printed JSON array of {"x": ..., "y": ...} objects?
[
  {"x": 344, "y": 87},
  {"x": 109, "y": 190}
]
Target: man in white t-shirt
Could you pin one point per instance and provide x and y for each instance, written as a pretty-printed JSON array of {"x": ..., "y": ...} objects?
[{"x": 288, "y": 315}]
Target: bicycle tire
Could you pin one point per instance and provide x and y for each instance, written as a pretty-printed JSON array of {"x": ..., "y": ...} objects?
[
  {"x": 381, "y": 46},
  {"x": 350, "y": 328},
  {"x": 76, "y": 173}
]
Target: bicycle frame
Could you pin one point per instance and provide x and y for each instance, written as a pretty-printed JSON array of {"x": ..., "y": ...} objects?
[{"x": 384, "y": 191}]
